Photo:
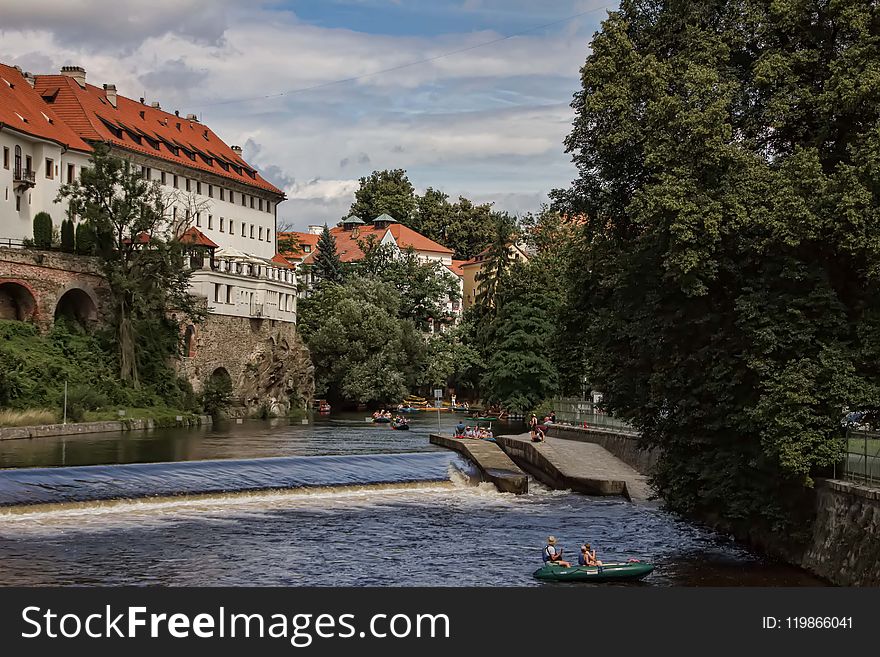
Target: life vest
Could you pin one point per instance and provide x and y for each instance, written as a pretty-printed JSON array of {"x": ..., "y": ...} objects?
[{"x": 546, "y": 555}]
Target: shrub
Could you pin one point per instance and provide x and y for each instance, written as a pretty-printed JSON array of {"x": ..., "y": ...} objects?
[
  {"x": 85, "y": 238},
  {"x": 216, "y": 396},
  {"x": 42, "y": 230},
  {"x": 81, "y": 399},
  {"x": 67, "y": 236}
]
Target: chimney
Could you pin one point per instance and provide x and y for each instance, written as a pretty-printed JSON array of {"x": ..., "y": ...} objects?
[
  {"x": 192, "y": 117},
  {"x": 30, "y": 78},
  {"x": 155, "y": 105},
  {"x": 316, "y": 230},
  {"x": 110, "y": 90},
  {"x": 236, "y": 149},
  {"x": 142, "y": 100},
  {"x": 78, "y": 73},
  {"x": 176, "y": 112}
]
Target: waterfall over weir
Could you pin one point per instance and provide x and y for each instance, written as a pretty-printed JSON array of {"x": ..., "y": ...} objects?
[{"x": 138, "y": 480}]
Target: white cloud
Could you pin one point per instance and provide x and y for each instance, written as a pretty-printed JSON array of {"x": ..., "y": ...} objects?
[{"x": 487, "y": 121}]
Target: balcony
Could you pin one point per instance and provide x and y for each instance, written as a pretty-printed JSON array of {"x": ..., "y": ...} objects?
[{"x": 23, "y": 178}]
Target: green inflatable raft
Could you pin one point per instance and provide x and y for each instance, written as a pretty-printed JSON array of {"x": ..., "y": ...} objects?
[{"x": 609, "y": 572}]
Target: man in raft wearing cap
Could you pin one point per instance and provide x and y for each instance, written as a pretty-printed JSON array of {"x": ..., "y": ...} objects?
[{"x": 553, "y": 554}]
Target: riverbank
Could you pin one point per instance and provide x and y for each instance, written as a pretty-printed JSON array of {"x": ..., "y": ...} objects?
[
  {"x": 162, "y": 420},
  {"x": 844, "y": 547}
]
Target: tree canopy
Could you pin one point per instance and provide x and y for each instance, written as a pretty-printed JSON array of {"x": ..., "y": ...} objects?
[{"x": 728, "y": 158}]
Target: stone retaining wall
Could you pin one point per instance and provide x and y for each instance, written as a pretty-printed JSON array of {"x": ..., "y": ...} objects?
[
  {"x": 845, "y": 547},
  {"x": 46, "y": 430}
]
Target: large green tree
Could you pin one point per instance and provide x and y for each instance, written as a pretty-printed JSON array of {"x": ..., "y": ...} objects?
[
  {"x": 728, "y": 159},
  {"x": 385, "y": 192},
  {"x": 142, "y": 258},
  {"x": 361, "y": 349}
]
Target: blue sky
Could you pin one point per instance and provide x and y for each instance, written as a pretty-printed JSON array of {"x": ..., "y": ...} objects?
[{"x": 487, "y": 123}]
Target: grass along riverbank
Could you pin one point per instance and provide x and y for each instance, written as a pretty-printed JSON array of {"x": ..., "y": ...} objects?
[{"x": 161, "y": 416}]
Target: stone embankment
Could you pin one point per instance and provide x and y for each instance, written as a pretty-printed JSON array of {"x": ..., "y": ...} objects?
[
  {"x": 73, "y": 429},
  {"x": 579, "y": 466},
  {"x": 493, "y": 464}
]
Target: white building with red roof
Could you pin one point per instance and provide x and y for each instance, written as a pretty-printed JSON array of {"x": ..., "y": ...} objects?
[
  {"x": 354, "y": 231},
  {"x": 48, "y": 124}
]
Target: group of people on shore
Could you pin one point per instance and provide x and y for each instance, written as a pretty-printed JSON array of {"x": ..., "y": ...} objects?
[
  {"x": 538, "y": 429},
  {"x": 482, "y": 433},
  {"x": 552, "y": 554}
]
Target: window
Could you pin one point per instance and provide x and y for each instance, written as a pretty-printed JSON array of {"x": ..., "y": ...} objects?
[
  {"x": 5, "y": 157},
  {"x": 222, "y": 224},
  {"x": 217, "y": 287},
  {"x": 268, "y": 207},
  {"x": 260, "y": 205},
  {"x": 228, "y": 294},
  {"x": 17, "y": 203},
  {"x": 174, "y": 213},
  {"x": 50, "y": 168},
  {"x": 252, "y": 231},
  {"x": 222, "y": 194},
  {"x": 231, "y": 227},
  {"x": 243, "y": 200},
  {"x": 198, "y": 219},
  {"x": 163, "y": 178},
  {"x": 211, "y": 222},
  {"x": 268, "y": 235},
  {"x": 71, "y": 173},
  {"x": 252, "y": 202},
  {"x": 243, "y": 230},
  {"x": 210, "y": 191},
  {"x": 176, "y": 185},
  {"x": 307, "y": 248},
  {"x": 261, "y": 233},
  {"x": 28, "y": 163},
  {"x": 198, "y": 187},
  {"x": 187, "y": 180}
]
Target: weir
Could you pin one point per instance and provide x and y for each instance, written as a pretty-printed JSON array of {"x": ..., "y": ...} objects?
[
  {"x": 27, "y": 486},
  {"x": 493, "y": 464}
]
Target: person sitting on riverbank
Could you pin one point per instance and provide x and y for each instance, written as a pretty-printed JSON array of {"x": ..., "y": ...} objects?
[
  {"x": 587, "y": 557},
  {"x": 552, "y": 554},
  {"x": 459, "y": 429},
  {"x": 469, "y": 432}
]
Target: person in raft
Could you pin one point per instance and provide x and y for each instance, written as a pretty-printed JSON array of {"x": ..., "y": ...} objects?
[
  {"x": 552, "y": 554},
  {"x": 587, "y": 557}
]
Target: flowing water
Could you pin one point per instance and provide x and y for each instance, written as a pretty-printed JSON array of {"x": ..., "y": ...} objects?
[{"x": 361, "y": 505}]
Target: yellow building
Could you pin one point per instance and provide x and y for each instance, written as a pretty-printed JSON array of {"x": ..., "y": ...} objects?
[{"x": 471, "y": 269}]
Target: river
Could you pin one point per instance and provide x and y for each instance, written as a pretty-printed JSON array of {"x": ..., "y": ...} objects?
[{"x": 364, "y": 505}]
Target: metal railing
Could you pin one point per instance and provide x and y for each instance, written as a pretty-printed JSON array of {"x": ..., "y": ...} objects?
[
  {"x": 20, "y": 175},
  {"x": 584, "y": 413},
  {"x": 861, "y": 462}
]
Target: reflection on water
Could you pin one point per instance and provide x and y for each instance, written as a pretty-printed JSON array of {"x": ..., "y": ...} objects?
[{"x": 346, "y": 433}]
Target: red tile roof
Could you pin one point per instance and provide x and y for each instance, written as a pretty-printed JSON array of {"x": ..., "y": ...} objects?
[
  {"x": 22, "y": 109},
  {"x": 455, "y": 267},
  {"x": 309, "y": 239},
  {"x": 193, "y": 235},
  {"x": 280, "y": 260},
  {"x": 144, "y": 129},
  {"x": 349, "y": 250}
]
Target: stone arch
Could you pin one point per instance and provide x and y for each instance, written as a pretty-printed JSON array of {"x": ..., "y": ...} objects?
[
  {"x": 78, "y": 303},
  {"x": 17, "y": 300},
  {"x": 189, "y": 341},
  {"x": 221, "y": 374}
]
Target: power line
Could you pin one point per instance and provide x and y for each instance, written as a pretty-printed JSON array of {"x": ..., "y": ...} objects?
[{"x": 402, "y": 66}]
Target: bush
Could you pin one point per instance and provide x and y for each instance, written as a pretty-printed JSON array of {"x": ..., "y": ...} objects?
[
  {"x": 67, "y": 236},
  {"x": 81, "y": 399},
  {"x": 217, "y": 395},
  {"x": 42, "y": 230},
  {"x": 85, "y": 238}
]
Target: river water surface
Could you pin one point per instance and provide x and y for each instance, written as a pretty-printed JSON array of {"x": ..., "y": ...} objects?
[{"x": 362, "y": 505}]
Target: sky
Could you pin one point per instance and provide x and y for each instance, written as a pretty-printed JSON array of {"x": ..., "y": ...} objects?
[{"x": 304, "y": 86}]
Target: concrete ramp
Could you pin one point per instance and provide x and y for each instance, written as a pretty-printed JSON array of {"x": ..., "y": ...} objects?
[
  {"x": 493, "y": 463},
  {"x": 582, "y": 467}
]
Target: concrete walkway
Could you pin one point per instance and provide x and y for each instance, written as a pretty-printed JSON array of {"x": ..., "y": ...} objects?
[
  {"x": 494, "y": 465},
  {"x": 582, "y": 467}
]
